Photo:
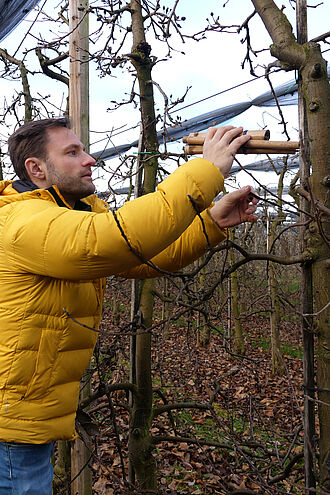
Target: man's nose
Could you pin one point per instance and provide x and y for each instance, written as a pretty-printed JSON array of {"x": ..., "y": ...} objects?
[{"x": 88, "y": 160}]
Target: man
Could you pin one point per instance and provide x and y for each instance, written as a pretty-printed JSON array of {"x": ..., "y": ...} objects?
[{"x": 57, "y": 243}]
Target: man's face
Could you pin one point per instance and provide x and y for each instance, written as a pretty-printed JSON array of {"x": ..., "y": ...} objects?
[{"x": 68, "y": 166}]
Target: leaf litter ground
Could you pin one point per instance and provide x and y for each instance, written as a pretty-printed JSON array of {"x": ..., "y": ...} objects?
[{"x": 243, "y": 444}]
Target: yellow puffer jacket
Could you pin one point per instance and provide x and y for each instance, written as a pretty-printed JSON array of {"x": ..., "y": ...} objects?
[{"x": 53, "y": 261}]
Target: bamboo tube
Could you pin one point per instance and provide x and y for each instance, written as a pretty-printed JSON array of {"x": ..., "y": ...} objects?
[
  {"x": 198, "y": 137},
  {"x": 276, "y": 145},
  {"x": 198, "y": 150},
  {"x": 270, "y": 151}
]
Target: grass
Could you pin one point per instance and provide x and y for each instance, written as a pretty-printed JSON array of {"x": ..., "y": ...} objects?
[
  {"x": 291, "y": 351},
  {"x": 208, "y": 429},
  {"x": 263, "y": 343},
  {"x": 286, "y": 349},
  {"x": 293, "y": 286}
]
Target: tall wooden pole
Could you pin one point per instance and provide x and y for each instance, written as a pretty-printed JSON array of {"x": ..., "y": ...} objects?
[
  {"x": 81, "y": 474},
  {"x": 306, "y": 274},
  {"x": 79, "y": 69}
]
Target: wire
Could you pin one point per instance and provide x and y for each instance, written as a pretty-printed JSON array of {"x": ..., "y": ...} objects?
[
  {"x": 209, "y": 97},
  {"x": 27, "y": 32},
  {"x": 174, "y": 110},
  {"x": 198, "y": 101},
  {"x": 220, "y": 92}
]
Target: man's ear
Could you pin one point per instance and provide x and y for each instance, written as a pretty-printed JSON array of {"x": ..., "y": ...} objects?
[{"x": 35, "y": 168}]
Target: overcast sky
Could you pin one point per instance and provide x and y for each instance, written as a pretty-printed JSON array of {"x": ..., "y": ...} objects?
[{"x": 208, "y": 66}]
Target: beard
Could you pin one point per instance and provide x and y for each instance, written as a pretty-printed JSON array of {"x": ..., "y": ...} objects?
[{"x": 72, "y": 188}]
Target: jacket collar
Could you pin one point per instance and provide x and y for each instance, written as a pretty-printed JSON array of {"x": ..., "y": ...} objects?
[
  {"x": 79, "y": 205},
  {"x": 9, "y": 192},
  {"x": 23, "y": 185},
  {"x": 26, "y": 185}
]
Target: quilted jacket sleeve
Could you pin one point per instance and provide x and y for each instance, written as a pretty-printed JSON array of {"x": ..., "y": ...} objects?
[
  {"x": 191, "y": 245},
  {"x": 44, "y": 239}
]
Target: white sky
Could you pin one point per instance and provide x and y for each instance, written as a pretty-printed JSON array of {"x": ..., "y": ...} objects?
[{"x": 209, "y": 66}]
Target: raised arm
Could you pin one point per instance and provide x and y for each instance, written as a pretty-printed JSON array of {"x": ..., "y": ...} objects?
[
  {"x": 207, "y": 230},
  {"x": 44, "y": 239}
]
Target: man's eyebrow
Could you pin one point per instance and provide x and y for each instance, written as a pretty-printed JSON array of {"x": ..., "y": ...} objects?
[{"x": 74, "y": 146}]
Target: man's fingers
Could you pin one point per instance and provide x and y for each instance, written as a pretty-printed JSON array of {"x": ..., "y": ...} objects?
[
  {"x": 243, "y": 193},
  {"x": 210, "y": 133},
  {"x": 231, "y": 133},
  {"x": 250, "y": 210},
  {"x": 239, "y": 142},
  {"x": 252, "y": 218},
  {"x": 221, "y": 144},
  {"x": 217, "y": 133}
]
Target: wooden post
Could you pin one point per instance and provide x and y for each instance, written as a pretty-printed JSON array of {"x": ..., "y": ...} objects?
[
  {"x": 79, "y": 69},
  {"x": 306, "y": 276},
  {"x": 79, "y": 116}
]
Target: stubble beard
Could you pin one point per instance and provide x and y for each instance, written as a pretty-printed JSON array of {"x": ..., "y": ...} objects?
[{"x": 71, "y": 188}]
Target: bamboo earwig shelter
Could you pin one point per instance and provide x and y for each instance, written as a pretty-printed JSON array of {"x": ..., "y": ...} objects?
[{"x": 258, "y": 144}]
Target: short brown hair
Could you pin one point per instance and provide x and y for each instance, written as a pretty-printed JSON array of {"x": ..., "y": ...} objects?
[{"x": 30, "y": 140}]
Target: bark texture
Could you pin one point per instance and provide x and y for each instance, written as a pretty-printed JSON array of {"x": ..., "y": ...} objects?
[
  {"x": 239, "y": 346},
  {"x": 307, "y": 58},
  {"x": 140, "y": 442},
  {"x": 81, "y": 474}
]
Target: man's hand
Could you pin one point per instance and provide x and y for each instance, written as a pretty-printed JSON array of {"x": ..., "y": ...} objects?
[
  {"x": 221, "y": 144},
  {"x": 235, "y": 208}
]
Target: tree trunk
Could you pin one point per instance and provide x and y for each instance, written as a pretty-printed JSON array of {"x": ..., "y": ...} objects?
[
  {"x": 203, "y": 329},
  {"x": 306, "y": 277},
  {"x": 228, "y": 333},
  {"x": 239, "y": 346},
  {"x": 307, "y": 58},
  {"x": 62, "y": 468},
  {"x": 25, "y": 83},
  {"x": 140, "y": 444},
  {"x": 278, "y": 366},
  {"x": 166, "y": 304},
  {"x": 277, "y": 358}
]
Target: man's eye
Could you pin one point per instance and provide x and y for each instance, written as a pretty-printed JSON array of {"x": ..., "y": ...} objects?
[{"x": 72, "y": 152}]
